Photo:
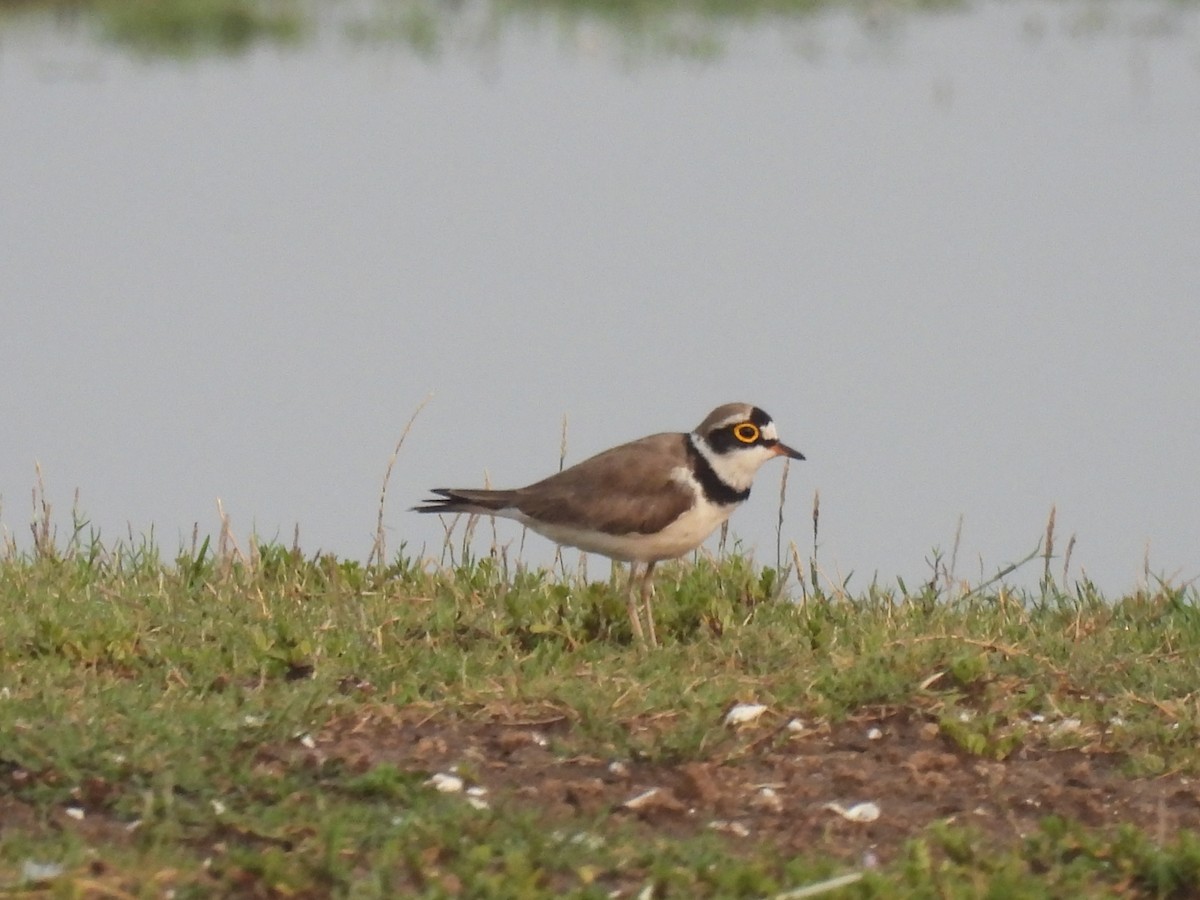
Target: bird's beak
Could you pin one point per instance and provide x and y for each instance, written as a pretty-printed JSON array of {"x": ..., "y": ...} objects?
[{"x": 782, "y": 449}]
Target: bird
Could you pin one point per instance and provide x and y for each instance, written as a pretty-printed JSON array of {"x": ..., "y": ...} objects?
[{"x": 652, "y": 499}]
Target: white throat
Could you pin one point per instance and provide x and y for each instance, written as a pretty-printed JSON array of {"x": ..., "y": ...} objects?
[{"x": 736, "y": 468}]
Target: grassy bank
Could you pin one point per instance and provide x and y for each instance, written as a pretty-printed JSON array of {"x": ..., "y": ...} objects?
[
  {"x": 192, "y": 28},
  {"x": 267, "y": 723}
]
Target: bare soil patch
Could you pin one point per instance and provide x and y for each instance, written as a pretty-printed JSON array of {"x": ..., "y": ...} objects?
[{"x": 772, "y": 784}]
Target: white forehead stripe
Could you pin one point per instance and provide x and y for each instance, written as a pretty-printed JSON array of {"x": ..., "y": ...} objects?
[
  {"x": 769, "y": 433},
  {"x": 730, "y": 420}
]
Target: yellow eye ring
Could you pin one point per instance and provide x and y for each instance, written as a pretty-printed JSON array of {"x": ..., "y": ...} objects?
[{"x": 746, "y": 432}]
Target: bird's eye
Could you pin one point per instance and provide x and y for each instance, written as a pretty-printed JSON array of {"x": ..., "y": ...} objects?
[{"x": 747, "y": 432}]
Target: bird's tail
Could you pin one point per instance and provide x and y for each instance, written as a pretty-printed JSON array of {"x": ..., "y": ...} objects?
[{"x": 467, "y": 500}]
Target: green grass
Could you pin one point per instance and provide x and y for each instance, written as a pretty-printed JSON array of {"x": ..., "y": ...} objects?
[
  {"x": 199, "y": 27},
  {"x": 174, "y": 703},
  {"x": 656, "y": 28}
]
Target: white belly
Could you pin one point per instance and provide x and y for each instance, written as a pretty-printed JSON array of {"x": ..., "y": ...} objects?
[{"x": 682, "y": 536}]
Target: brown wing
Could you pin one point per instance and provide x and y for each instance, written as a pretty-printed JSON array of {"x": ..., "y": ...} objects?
[{"x": 628, "y": 489}]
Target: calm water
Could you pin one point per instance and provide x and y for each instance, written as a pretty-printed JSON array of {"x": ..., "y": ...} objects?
[{"x": 957, "y": 256}]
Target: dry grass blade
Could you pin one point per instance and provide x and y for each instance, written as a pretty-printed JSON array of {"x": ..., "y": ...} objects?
[
  {"x": 1004, "y": 572},
  {"x": 562, "y": 446},
  {"x": 378, "y": 548},
  {"x": 10, "y": 543},
  {"x": 227, "y": 548},
  {"x": 950, "y": 576},
  {"x": 816, "y": 519},
  {"x": 562, "y": 462},
  {"x": 1049, "y": 554},
  {"x": 820, "y": 887},
  {"x": 43, "y": 533},
  {"x": 800, "y": 576},
  {"x": 783, "y": 480}
]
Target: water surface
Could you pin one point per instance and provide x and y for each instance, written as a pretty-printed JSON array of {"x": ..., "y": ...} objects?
[{"x": 954, "y": 254}]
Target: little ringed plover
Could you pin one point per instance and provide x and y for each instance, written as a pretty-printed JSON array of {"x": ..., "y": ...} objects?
[{"x": 652, "y": 499}]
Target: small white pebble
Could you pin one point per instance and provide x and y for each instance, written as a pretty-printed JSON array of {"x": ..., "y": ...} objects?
[
  {"x": 447, "y": 784},
  {"x": 75, "y": 812},
  {"x": 744, "y": 713},
  {"x": 641, "y": 799},
  {"x": 540, "y": 739},
  {"x": 476, "y": 790},
  {"x": 586, "y": 839},
  {"x": 875, "y": 734},
  {"x": 618, "y": 768},
  {"x": 306, "y": 741},
  {"x": 32, "y": 871},
  {"x": 1037, "y": 718},
  {"x": 795, "y": 726},
  {"x": 218, "y": 807},
  {"x": 728, "y": 827},
  {"x": 477, "y": 803},
  {"x": 859, "y": 812},
  {"x": 966, "y": 715},
  {"x": 768, "y": 799}
]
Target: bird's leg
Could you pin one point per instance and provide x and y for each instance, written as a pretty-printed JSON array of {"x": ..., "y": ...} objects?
[
  {"x": 635, "y": 621},
  {"x": 647, "y": 593}
]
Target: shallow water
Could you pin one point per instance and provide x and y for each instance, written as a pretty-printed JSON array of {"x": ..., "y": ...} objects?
[{"x": 954, "y": 254}]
